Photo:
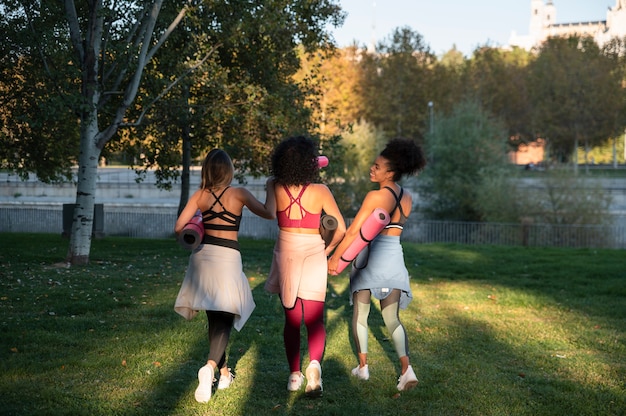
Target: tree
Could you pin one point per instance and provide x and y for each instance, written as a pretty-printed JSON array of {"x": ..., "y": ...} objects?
[
  {"x": 112, "y": 43},
  {"x": 574, "y": 92},
  {"x": 92, "y": 56},
  {"x": 334, "y": 79},
  {"x": 396, "y": 81},
  {"x": 497, "y": 79},
  {"x": 467, "y": 150},
  {"x": 615, "y": 51},
  {"x": 102, "y": 48},
  {"x": 47, "y": 144},
  {"x": 445, "y": 85},
  {"x": 244, "y": 98}
]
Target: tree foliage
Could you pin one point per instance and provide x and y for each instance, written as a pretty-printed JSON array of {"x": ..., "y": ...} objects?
[
  {"x": 95, "y": 54},
  {"x": 244, "y": 98},
  {"x": 575, "y": 92},
  {"x": 498, "y": 80},
  {"x": 333, "y": 80},
  {"x": 466, "y": 150},
  {"x": 37, "y": 107},
  {"x": 81, "y": 80},
  {"x": 396, "y": 87}
]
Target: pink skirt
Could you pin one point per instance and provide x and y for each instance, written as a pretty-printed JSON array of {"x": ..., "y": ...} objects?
[{"x": 299, "y": 268}]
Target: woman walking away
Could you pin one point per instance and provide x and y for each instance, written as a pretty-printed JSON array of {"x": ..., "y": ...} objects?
[
  {"x": 299, "y": 272},
  {"x": 379, "y": 269},
  {"x": 214, "y": 280}
]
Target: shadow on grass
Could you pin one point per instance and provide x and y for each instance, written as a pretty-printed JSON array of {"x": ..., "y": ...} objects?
[
  {"x": 507, "y": 380},
  {"x": 61, "y": 352}
]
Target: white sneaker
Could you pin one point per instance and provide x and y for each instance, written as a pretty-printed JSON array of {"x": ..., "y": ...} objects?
[
  {"x": 295, "y": 381},
  {"x": 205, "y": 377},
  {"x": 225, "y": 381},
  {"x": 362, "y": 373},
  {"x": 314, "y": 379},
  {"x": 408, "y": 380}
]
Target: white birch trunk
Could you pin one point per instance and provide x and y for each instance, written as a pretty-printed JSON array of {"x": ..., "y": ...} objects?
[
  {"x": 82, "y": 224},
  {"x": 88, "y": 50}
]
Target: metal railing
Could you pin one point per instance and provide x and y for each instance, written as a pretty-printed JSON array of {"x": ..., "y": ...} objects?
[
  {"x": 154, "y": 224},
  {"x": 533, "y": 235}
]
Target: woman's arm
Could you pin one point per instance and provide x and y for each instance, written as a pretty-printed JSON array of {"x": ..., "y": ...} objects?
[
  {"x": 188, "y": 212},
  {"x": 373, "y": 200},
  {"x": 265, "y": 210}
]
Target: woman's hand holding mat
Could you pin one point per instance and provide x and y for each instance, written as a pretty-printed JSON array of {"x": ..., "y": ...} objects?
[
  {"x": 193, "y": 232},
  {"x": 373, "y": 225}
]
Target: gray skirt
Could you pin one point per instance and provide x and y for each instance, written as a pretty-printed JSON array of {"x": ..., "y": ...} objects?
[{"x": 380, "y": 268}]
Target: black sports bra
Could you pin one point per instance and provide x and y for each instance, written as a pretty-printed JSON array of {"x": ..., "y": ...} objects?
[
  {"x": 403, "y": 217},
  {"x": 224, "y": 215}
]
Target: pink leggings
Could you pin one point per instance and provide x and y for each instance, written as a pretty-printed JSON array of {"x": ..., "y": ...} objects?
[{"x": 313, "y": 313}]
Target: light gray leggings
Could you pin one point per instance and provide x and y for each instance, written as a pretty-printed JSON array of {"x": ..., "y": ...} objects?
[{"x": 390, "y": 307}]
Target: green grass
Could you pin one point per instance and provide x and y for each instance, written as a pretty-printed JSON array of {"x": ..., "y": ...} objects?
[{"x": 492, "y": 331}]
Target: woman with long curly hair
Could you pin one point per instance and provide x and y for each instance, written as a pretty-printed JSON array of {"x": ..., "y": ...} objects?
[
  {"x": 379, "y": 269},
  {"x": 299, "y": 272}
]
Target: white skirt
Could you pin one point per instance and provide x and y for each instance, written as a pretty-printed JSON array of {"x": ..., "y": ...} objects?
[{"x": 214, "y": 281}]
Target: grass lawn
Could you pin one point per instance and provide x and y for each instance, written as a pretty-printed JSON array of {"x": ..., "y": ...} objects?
[{"x": 492, "y": 331}]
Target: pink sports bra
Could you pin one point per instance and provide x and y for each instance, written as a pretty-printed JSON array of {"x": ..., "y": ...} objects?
[{"x": 308, "y": 219}]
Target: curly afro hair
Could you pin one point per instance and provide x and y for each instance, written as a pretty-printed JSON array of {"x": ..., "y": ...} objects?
[
  {"x": 404, "y": 156},
  {"x": 294, "y": 162}
]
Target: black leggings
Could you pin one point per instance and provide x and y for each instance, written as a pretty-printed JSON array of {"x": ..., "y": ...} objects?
[{"x": 220, "y": 325}]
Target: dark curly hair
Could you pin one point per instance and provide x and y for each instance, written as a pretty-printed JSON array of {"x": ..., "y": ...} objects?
[
  {"x": 294, "y": 161},
  {"x": 404, "y": 156}
]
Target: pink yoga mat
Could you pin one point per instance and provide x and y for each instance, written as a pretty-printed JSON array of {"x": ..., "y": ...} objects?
[
  {"x": 369, "y": 230},
  {"x": 322, "y": 161},
  {"x": 193, "y": 232}
]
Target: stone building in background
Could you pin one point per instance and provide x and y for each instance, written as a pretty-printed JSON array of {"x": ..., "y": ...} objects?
[{"x": 543, "y": 25}]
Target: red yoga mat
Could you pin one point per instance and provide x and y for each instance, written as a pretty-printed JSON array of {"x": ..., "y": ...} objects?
[
  {"x": 193, "y": 232},
  {"x": 369, "y": 230}
]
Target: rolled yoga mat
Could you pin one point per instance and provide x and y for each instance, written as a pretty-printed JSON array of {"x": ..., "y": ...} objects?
[
  {"x": 328, "y": 226},
  {"x": 369, "y": 230},
  {"x": 322, "y": 161},
  {"x": 193, "y": 232}
]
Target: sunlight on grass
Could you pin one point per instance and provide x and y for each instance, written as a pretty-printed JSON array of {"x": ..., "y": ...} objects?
[
  {"x": 492, "y": 331},
  {"x": 532, "y": 330}
]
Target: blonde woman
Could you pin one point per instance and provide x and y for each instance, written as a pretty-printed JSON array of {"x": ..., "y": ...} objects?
[{"x": 214, "y": 281}]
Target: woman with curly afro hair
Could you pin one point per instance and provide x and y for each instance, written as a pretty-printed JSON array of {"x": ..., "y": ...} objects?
[
  {"x": 299, "y": 272},
  {"x": 379, "y": 269}
]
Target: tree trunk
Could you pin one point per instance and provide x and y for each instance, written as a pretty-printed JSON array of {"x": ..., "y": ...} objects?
[
  {"x": 185, "y": 178},
  {"x": 82, "y": 224},
  {"x": 614, "y": 153},
  {"x": 575, "y": 155},
  {"x": 92, "y": 140},
  {"x": 587, "y": 156}
]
